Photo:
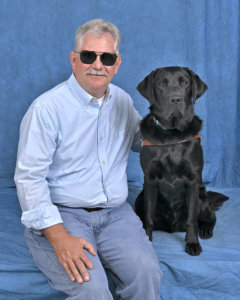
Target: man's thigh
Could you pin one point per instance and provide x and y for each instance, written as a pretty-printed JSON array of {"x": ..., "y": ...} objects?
[
  {"x": 126, "y": 251},
  {"x": 44, "y": 257},
  {"x": 123, "y": 233}
]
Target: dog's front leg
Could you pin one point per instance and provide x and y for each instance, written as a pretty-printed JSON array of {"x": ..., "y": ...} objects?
[
  {"x": 193, "y": 246},
  {"x": 150, "y": 200}
]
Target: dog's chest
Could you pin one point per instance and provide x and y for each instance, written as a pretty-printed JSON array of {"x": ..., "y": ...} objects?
[{"x": 172, "y": 164}]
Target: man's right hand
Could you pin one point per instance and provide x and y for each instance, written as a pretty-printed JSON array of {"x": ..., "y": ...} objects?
[{"x": 70, "y": 253}]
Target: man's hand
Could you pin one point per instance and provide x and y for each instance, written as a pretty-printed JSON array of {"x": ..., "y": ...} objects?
[{"x": 70, "y": 253}]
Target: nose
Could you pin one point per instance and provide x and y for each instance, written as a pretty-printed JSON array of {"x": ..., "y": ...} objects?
[
  {"x": 97, "y": 63},
  {"x": 175, "y": 100}
]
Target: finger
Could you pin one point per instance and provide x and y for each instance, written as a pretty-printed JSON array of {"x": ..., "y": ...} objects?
[
  {"x": 75, "y": 272},
  {"x": 82, "y": 269},
  {"x": 87, "y": 262},
  {"x": 69, "y": 272},
  {"x": 88, "y": 246}
]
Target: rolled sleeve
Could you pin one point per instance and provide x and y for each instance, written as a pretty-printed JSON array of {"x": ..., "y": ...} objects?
[{"x": 41, "y": 218}]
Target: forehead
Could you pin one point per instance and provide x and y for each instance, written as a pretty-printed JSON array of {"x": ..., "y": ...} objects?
[
  {"x": 98, "y": 43},
  {"x": 172, "y": 73}
]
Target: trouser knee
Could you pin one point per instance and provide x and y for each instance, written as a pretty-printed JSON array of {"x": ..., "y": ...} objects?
[
  {"x": 149, "y": 270},
  {"x": 90, "y": 291}
]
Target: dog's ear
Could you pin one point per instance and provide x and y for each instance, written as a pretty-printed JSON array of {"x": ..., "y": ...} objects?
[
  {"x": 145, "y": 87},
  {"x": 198, "y": 86}
]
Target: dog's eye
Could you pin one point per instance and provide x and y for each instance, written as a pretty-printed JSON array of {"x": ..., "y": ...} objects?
[
  {"x": 183, "y": 83},
  {"x": 163, "y": 83}
]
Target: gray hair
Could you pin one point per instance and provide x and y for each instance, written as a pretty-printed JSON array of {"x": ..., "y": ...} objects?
[{"x": 97, "y": 27}]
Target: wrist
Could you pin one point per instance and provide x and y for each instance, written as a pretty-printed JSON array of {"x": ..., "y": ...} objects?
[{"x": 55, "y": 234}]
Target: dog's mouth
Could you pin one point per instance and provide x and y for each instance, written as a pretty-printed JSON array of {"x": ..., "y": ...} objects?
[
  {"x": 175, "y": 120},
  {"x": 173, "y": 123},
  {"x": 179, "y": 123}
]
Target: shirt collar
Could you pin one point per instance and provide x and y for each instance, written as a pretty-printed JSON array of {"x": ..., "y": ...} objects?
[{"x": 81, "y": 94}]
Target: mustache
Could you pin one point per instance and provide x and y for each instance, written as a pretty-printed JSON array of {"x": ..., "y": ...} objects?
[{"x": 96, "y": 72}]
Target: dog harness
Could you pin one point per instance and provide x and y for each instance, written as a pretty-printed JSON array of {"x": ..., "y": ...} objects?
[{"x": 147, "y": 143}]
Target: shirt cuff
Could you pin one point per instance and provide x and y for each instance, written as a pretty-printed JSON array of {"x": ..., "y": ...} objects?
[{"x": 40, "y": 218}]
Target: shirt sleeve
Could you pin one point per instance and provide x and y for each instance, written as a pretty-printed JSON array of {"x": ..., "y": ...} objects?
[
  {"x": 37, "y": 144},
  {"x": 137, "y": 141}
]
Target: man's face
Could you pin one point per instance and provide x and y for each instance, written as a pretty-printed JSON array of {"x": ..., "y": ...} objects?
[{"x": 95, "y": 85}]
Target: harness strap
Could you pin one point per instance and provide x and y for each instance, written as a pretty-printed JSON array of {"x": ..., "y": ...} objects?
[{"x": 147, "y": 143}]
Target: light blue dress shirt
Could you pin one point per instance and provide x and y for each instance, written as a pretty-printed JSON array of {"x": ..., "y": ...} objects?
[{"x": 74, "y": 153}]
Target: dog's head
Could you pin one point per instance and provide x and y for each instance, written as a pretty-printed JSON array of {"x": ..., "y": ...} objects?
[{"x": 172, "y": 93}]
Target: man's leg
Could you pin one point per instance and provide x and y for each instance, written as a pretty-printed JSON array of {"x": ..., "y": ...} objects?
[
  {"x": 46, "y": 260},
  {"x": 126, "y": 251}
]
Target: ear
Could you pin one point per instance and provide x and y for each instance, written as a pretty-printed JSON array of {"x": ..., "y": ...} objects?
[
  {"x": 73, "y": 59},
  {"x": 118, "y": 63},
  {"x": 145, "y": 87},
  {"x": 198, "y": 86}
]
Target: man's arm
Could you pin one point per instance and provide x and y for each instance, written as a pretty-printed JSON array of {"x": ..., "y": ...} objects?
[
  {"x": 137, "y": 141},
  {"x": 37, "y": 145}
]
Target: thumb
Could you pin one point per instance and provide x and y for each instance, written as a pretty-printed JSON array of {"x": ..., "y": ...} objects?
[{"x": 89, "y": 247}]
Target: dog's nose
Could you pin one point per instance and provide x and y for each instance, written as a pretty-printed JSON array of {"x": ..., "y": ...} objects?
[{"x": 175, "y": 100}]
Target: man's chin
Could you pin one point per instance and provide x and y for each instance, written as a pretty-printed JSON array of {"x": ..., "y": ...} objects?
[{"x": 98, "y": 85}]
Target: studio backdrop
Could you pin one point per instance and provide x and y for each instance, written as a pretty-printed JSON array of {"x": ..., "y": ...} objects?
[{"x": 36, "y": 37}]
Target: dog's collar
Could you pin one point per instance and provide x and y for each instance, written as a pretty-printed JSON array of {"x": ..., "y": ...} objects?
[
  {"x": 147, "y": 143},
  {"x": 158, "y": 123}
]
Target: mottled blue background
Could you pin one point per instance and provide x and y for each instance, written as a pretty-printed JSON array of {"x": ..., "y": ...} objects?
[{"x": 36, "y": 37}]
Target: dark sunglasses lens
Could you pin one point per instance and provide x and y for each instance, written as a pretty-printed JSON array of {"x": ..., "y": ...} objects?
[
  {"x": 108, "y": 59},
  {"x": 88, "y": 57}
]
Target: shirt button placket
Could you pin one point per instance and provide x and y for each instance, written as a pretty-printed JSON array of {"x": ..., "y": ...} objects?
[{"x": 101, "y": 148}]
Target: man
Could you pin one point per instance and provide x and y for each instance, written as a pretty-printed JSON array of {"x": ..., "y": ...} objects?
[{"x": 71, "y": 178}]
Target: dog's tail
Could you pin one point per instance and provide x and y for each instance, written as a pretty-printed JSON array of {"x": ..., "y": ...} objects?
[{"x": 216, "y": 199}]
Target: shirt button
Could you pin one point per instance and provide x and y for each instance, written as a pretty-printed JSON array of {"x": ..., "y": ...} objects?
[
  {"x": 103, "y": 162},
  {"x": 101, "y": 138}
]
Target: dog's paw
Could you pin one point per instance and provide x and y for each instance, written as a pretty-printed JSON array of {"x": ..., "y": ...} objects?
[
  {"x": 206, "y": 231},
  {"x": 149, "y": 234},
  {"x": 193, "y": 249}
]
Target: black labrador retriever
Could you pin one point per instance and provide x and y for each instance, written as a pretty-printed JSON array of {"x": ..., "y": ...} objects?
[{"x": 174, "y": 197}]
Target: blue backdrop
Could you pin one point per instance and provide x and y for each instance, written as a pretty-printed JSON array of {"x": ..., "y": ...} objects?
[{"x": 36, "y": 37}]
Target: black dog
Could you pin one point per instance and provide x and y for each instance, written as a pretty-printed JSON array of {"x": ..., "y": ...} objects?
[{"x": 174, "y": 197}]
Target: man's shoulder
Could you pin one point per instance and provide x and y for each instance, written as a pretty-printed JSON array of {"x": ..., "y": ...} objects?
[
  {"x": 51, "y": 97},
  {"x": 119, "y": 93}
]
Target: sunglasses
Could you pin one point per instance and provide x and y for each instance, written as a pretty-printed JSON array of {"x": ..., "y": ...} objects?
[{"x": 89, "y": 57}]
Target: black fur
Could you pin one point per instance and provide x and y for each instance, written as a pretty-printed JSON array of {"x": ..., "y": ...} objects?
[{"x": 174, "y": 197}]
